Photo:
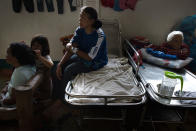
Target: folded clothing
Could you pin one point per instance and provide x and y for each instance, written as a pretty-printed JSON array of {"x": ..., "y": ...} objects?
[
  {"x": 131, "y": 4},
  {"x": 139, "y": 42},
  {"x": 186, "y": 94},
  {"x": 108, "y": 3},
  {"x": 125, "y": 4}
]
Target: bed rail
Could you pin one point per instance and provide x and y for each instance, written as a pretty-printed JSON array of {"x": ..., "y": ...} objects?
[
  {"x": 128, "y": 46},
  {"x": 69, "y": 87},
  {"x": 169, "y": 97},
  {"x": 153, "y": 79},
  {"x": 112, "y": 29}
]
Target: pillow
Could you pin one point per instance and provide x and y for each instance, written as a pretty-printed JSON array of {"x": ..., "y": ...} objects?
[{"x": 175, "y": 64}]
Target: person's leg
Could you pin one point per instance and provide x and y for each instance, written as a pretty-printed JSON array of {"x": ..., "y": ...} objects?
[
  {"x": 57, "y": 88},
  {"x": 70, "y": 71},
  {"x": 74, "y": 67}
]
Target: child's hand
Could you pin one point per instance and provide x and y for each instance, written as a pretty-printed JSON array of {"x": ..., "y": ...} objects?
[
  {"x": 68, "y": 47},
  {"x": 65, "y": 42},
  {"x": 59, "y": 71},
  {"x": 38, "y": 53}
]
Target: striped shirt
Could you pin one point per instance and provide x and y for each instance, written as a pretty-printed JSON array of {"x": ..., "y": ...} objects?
[{"x": 94, "y": 45}]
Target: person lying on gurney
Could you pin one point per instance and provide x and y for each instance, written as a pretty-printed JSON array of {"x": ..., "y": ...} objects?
[{"x": 173, "y": 46}]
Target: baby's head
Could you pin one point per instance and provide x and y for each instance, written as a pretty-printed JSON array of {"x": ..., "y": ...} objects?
[
  {"x": 40, "y": 42},
  {"x": 175, "y": 39}
]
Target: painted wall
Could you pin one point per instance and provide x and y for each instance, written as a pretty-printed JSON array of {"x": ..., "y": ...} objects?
[{"x": 152, "y": 19}]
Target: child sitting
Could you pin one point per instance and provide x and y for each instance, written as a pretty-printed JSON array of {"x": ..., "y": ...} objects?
[
  {"x": 40, "y": 46},
  {"x": 174, "y": 45},
  {"x": 21, "y": 57},
  {"x": 44, "y": 63}
]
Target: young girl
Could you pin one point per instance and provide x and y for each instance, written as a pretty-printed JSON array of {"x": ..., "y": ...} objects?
[
  {"x": 85, "y": 52},
  {"x": 21, "y": 57},
  {"x": 40, "y": 46},
  {"x": 44, "y": 63}
]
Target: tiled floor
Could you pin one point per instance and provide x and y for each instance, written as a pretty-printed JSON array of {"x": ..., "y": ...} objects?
[{"x": 71, "y": 124}]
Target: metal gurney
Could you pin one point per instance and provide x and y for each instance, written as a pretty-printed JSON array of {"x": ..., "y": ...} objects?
[
  {"x": 113, "y": 37},
  {"x": 151, "y": 76}
]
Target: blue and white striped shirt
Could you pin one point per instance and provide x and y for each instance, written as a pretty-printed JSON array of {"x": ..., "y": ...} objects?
[{"x": 94, "y": 45}]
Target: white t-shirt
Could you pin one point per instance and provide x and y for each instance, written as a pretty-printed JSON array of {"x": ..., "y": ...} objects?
[{"x": 19, "y": 77}]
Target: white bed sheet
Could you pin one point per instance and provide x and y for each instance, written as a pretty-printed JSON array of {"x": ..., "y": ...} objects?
[{"x": 113, "y": 79}]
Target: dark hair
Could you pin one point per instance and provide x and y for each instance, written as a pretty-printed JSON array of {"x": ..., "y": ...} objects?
[
  {"x": 92, "y": 14},
  {"x": 23, "y": 53},
  {"x": 43, "y": 41}
]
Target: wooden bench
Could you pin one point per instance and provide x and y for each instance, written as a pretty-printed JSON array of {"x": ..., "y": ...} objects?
[{"x": 24, "y": 110}]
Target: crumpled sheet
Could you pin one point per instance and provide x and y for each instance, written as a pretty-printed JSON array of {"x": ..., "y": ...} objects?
[{"x": 116, "y": 78}]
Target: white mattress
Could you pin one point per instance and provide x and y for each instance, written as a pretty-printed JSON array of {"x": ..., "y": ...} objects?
[{"x": 113, "y": 79}]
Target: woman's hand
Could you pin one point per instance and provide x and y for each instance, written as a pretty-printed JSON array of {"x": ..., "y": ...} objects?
[
  {"x": 37, "y": 53},
  {"x": 59, "y": 71}
]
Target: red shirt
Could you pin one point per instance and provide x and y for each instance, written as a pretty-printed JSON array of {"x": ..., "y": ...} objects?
[{"x": 182, "y": 53}]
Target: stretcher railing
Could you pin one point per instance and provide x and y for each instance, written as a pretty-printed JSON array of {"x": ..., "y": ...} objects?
[
  {"x": 113, "y": 34},
  {"x": 105, "y": 97},
  {"x": 135, "y": 65},
  {"x": 151, "y": 84},
  {"x": 169, "y": 97}
]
